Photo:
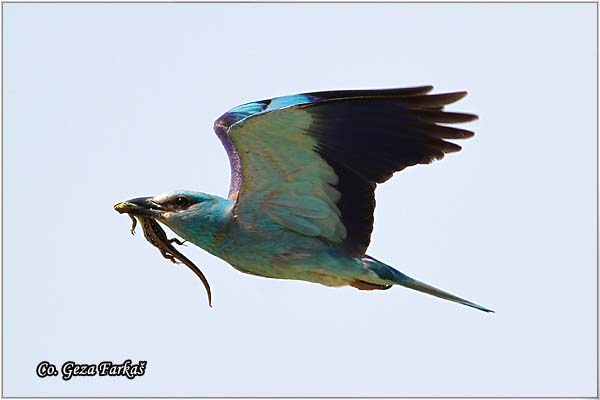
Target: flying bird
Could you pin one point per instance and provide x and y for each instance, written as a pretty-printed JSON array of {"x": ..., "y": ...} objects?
[{"x": 304, "y": 169}]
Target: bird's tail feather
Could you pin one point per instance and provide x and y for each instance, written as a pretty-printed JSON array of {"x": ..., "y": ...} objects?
[
  {"x": 401, "y": 279},
  {"x": 425, "y": 288}
]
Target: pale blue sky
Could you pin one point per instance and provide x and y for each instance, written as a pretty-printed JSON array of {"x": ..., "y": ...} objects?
[{"x": 104, "y": 102}]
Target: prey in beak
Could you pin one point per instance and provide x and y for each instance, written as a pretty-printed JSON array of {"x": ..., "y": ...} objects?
[
  {"x": 143, "y": 206},
  {"x": 146, "y": 211}
]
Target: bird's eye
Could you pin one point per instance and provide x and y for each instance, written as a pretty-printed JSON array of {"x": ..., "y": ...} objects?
[{"x": 181, "y": 201}]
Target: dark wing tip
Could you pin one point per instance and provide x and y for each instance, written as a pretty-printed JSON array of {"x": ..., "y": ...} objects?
[
  {"x": 445, "y": 117},
  {"x": 433, "y": 101},
  {"x": 370, "y": 93},
  {"x": 455, "y": 96},
  {"x": 450, "y": 147}
]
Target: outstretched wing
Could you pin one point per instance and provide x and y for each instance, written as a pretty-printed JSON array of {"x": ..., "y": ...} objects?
[{"x": 311, "y": 161}]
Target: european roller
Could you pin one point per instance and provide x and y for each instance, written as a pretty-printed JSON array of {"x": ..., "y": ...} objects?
[{"x": 304, "y": 169}]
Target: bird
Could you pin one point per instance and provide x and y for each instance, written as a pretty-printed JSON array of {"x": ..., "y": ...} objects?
[{"x": 304, "y": 169}]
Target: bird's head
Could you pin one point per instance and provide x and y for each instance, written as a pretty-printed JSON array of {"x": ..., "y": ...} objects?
[{"x": 187, "y": 213}]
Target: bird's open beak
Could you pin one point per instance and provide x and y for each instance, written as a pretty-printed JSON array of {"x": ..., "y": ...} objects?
[{"x": 140, "y": 206}]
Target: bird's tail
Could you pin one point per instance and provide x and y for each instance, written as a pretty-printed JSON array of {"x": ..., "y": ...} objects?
[{"x": 388, "y": 273}]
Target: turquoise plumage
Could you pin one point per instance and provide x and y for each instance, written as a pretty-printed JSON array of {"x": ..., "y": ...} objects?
[{"x": 304, "y": 171}]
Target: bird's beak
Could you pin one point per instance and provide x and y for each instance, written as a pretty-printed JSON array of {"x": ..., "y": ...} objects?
[{"x": 140, "y": 206}]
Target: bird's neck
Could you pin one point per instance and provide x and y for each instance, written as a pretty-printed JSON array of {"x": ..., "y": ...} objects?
[{"x": 208, "y": 228}]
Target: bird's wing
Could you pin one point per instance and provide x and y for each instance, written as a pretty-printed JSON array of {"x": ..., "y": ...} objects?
[{"x": 311, "y": 161}]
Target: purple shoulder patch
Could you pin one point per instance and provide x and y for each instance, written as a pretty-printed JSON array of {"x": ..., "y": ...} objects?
[{"x": 221, "y": 127}]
